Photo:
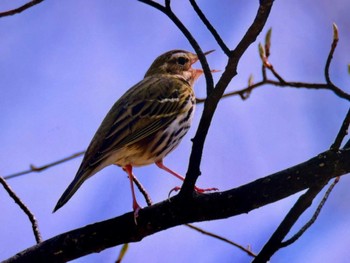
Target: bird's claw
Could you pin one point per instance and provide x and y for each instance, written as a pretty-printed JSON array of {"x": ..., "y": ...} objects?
[
  {"x": 198, "y": 190},
  {"x": 175, "y": 189}
]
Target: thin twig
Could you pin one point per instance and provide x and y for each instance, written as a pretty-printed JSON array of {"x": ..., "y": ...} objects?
[
  {"x": 347, "y": 145},
  {"x": 313, "y": 218},
  {"x": 342, "y": 133},
  {"x": 340, "y": 93},
  {"x": 44, "y": 167},
  {"x": 330, "y": 55},
  {"x": 274, "y": 243},
  {"x": 332, "y": 87},
  {"x": 277, "y": 76},
  {"x": 281, "y": 82},
  {"x": 248, "y": 251},
  {"x": 21, "y": 8},
  {"x": 250, "y": 88},
  {"x": 24, "y": 208},
  {"x": 211, "y": 29}
]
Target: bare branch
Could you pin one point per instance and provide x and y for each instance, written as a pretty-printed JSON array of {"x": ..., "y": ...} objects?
[
  {"x": 141, "y": 189},
  {"x": 178, "y": 211},
  {"x": 330, "y": 55},
  {"x": 291, "y": 84},
  {"x": 298, "y": 209},
  {"x": 264, "y": 52},
  {"x": 246, "y": 250},
  {"x": 342, "y": 133},
  {"x": 24, "y": 208},
  {"x": 211, "y": 29},
  {"x": 44, "y": 167},
  {"x": 314, "y": 217},
  {"x": 275, "y": 241},
  {"x": 21, "y": 8}
]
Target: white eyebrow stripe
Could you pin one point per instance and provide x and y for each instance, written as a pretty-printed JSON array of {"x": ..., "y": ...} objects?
[{"x": 180, "y": 54}]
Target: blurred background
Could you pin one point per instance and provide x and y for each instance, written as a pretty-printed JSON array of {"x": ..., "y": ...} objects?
[{"x": 64, "y": 63}]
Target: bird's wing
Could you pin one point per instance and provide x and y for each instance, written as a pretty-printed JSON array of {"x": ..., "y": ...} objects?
[{"x": 143, "y": 110}]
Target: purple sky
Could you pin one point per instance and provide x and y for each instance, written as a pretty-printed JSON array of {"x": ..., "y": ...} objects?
[{"x": 64, "y": 63}]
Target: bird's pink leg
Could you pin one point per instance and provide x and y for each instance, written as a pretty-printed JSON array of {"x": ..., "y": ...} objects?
[
  {"x": 135, "y": 205},
  {"x": 199, "y": 190}
]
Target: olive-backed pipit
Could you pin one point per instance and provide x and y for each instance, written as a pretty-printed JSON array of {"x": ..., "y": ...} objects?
[{"x": 145, "y": 124}]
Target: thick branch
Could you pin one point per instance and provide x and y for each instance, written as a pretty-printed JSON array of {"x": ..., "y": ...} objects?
[
  {"x": 178, "y": 211},
  {"x": 275, "y": 241}
]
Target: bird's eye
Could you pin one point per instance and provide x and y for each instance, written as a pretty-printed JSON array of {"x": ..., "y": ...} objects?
[{"x": 182, "y": 60}]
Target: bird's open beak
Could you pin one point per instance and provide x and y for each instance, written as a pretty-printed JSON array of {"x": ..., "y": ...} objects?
[
  {"x": 198, "y": 72},
  {"x": 194, "y": 59}
]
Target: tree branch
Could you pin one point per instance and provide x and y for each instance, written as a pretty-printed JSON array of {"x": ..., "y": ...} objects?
[
  {"x": 281, "y": 82},
  {"x": 292, "y": 84},
  {"x": 298, "y": 209},
  {"x": 200, "y": 230},
  {"x": 314, "y": 217},
  {"x": 212, "y": 101},
  {"x": 330, "y": 55},
  {"x": 24, "y": 208},
  {"x": 211, "y": 29},
  {"x": 21, "y": 8},
  {"x": 177, "y": 211},
  {"x": 275, "y": 241},
  {"x": 342, "y": 133},
  {"x": 44, "y": 167}
]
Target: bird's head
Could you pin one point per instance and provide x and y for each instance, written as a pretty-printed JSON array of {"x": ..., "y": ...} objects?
[{"x": 176, "y": 62}]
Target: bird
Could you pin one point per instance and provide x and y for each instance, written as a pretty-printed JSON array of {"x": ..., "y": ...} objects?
[{"x": 145, "y": 124}]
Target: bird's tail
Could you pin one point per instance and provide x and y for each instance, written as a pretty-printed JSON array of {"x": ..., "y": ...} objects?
[{"x": 71, "y": 189}]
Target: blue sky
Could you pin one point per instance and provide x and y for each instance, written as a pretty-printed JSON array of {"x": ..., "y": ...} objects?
[{"x": 64, "y": 63}]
